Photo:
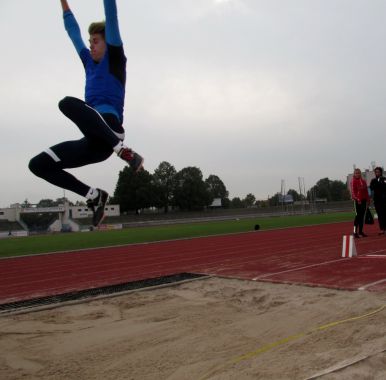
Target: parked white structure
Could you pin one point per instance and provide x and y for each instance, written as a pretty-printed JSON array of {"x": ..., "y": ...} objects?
[{"x": 66, "y": 215}]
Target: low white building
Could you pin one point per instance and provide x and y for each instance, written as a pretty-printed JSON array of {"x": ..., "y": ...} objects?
[
  {"x": 9, "y": 214},
  {"x": 67, "y": 214},
  {"x": 79, "y": 212}
]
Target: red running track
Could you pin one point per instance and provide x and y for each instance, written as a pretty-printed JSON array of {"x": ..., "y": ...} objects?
[{"x": 304, "y": 255}]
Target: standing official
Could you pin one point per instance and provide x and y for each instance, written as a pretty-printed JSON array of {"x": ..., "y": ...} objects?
[{"x": 378, "y": 192}]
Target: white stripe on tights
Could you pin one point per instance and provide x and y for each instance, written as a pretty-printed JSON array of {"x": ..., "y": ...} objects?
[
  {"x": 121, "y": 136},
  {"x": 52, "y": 154}
]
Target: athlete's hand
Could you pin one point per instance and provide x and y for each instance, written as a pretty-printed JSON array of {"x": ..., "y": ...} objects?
[{"x": 65, "y": 5}]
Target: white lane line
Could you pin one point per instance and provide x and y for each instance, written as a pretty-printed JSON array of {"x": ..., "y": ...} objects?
[
  {"x": 372, "y": 257},
  {"x": 364, "y": 287},
  {"x": 296, "y": 269}
]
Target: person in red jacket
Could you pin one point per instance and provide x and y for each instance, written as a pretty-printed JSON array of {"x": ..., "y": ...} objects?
[{"x": 360, "y": 195}]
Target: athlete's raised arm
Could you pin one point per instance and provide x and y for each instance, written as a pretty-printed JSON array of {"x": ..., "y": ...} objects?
[
  {"x": 65, "y": 6},
  {"x": 72, "y": 27},
  {"x": 113, "y": 36}
]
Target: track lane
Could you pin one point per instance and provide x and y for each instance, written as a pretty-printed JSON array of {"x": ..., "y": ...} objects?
[{"x": 303, "y": 255}]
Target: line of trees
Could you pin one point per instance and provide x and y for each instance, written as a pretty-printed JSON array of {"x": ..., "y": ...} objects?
[
  {"x": 187, "y": 190},
  {"x": 331, "y": 190},
  {"x": 166, "y": 188}
]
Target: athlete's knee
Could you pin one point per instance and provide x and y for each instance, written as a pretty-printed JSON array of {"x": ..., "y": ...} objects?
[
  {"x": 69, "y": 103},
  {"x": 40, "y": 164},
  {"x": 34, "y": 165}
]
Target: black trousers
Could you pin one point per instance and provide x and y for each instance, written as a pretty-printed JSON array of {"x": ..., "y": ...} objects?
[
  {"x": 360, "y": 210},
  {"x": 380, "y": 208},
  {"x": 101, "y": 133}
]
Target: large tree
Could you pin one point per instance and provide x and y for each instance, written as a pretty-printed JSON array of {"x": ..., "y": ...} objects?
[
  {"x": 191, "y": 192},
  {"x": 249, "y": 200},
  {"x": 164, "y": 178},
  {"x": 217, "y": 188},
  {"x": 339, "y": 191},
  {"x": 295, "y": 195},
  {"x": 275, "y": 200},
  {"x": 134, "y": 191},
  {"x": 330, "y": 190},
  {"x": 236, "y": 202}
]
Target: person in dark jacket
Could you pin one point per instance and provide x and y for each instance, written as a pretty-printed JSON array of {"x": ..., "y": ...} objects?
[{"x": 378, "y": 192}]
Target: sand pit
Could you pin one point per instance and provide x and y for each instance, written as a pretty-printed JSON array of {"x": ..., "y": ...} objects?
[{"x": 206, "y": 329}]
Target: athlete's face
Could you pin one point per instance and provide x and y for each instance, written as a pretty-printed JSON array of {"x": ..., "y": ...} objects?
[{"x": 97, "y": 47}]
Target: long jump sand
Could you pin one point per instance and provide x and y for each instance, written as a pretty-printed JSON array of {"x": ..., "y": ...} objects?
[{"x": 207, "y": 329}]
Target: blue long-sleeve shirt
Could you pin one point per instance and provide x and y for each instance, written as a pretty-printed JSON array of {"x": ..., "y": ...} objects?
[{"x": 105, "y": 81}]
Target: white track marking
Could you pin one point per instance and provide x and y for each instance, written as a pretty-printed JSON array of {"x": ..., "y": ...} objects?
[
  {"x": 296, "y": 269},
  {"x": 364, "y": 287}
]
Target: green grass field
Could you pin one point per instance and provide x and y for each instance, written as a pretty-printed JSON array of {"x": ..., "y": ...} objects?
[{"x": 64, "y": 242}]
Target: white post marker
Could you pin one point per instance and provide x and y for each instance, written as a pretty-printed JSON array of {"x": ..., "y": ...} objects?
[{"x": 348, "y": 248}]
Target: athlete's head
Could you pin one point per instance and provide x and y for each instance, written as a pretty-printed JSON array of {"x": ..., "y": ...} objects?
[
  {"x": 97, "y": 40},
  {"x": 378, "y": 171}
]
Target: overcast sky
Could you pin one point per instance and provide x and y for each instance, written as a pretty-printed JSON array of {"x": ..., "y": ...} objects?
[{"x": 254, "y": 91}]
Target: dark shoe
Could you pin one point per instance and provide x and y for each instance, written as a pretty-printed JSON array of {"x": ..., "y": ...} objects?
[
  {"x": 133, "y": 159},
  {"x": 356, "y": 235},
  {"x": 97, "y": 206},
  {"x": 362, "y": 234}
]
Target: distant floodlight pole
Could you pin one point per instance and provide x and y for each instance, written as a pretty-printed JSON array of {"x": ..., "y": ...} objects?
[
  {"x": 301, "y": 193},
  {"x": 302, "y": 190},
  {"x": 282, "y": 192}
]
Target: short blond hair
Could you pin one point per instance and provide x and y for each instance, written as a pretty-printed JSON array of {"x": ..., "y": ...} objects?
[{"x": 97, "y": 28}]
